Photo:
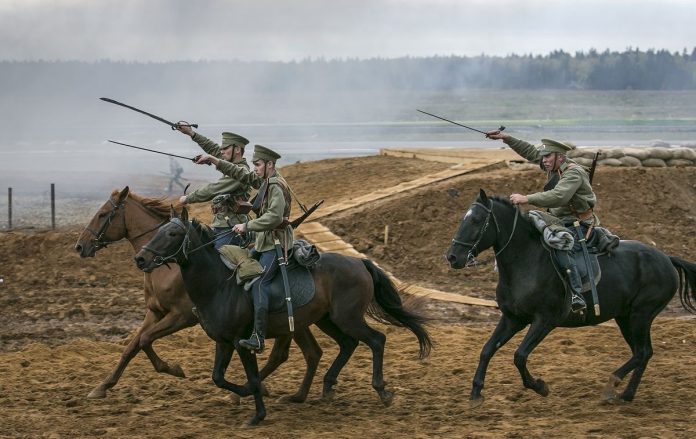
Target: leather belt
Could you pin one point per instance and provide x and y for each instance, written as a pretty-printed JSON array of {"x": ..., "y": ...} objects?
[{"x": 586, "y": 215}]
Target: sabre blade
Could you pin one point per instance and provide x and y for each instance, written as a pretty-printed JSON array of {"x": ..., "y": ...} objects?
[{"x": 163, "y": 120}]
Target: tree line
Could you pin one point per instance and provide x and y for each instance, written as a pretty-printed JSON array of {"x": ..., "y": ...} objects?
[{"x": 592, "y": 70}]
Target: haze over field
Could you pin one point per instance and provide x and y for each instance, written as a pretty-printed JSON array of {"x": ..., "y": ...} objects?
[{"x": 315, "y": 79}]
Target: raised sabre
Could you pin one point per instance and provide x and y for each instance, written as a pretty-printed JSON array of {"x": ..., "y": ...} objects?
[
  {"x": 174, "y": 126},
  {"x": 501, "y": 128}
]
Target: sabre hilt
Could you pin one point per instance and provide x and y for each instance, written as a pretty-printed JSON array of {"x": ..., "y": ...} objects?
[{"x": 176, "y": 126}]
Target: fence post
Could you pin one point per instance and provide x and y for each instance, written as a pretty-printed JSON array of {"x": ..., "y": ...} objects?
[
  {"x": 53, "y": 206},
  {"x": 9, "y": 208}
]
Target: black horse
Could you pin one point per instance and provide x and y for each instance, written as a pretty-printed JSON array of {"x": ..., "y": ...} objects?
[
  {"x": 346, "y": 289},
  {"x": 637, "y": 283}
]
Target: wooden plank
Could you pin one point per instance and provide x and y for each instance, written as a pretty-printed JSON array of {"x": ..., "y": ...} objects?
[
  {"x": 334, "y": 246},
  {"x": 321, "y": 237},
  {"x": 313, "y": 227}
]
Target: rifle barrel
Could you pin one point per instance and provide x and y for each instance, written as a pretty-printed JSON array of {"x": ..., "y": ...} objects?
[{"x": 151, "y": 150}]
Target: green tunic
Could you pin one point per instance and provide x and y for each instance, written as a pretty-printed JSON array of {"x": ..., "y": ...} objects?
[
  {"x": 276, "y": 206},
  {"x": 573, "y": 187},
  {"x": 225, "y": 185}
]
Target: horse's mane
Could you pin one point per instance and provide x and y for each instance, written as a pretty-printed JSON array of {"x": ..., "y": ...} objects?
[
  {"x": 159, "y": 206},
  {"x": 506, "y": 201},
  {"x": 205, "y": 231}
]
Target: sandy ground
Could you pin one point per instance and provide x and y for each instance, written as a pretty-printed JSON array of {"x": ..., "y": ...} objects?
[{"x": 64, "y": 322}]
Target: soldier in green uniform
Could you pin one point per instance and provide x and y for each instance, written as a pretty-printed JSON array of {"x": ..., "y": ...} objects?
[
  {"x": 226, "y": 191},
  {"x": 272, "y": 205},
  {"x": 567, "y": 195}
]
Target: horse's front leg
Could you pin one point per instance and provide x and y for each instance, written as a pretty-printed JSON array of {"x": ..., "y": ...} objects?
[
  {"x": 223, "y": 355},
  {"x": 505, "y": 330},
  {"x": 538, "y": 330},
  {"x": 251, "y": 368}
]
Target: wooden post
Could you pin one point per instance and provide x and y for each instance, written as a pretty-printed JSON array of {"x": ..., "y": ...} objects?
[
  {"x": 9, "y": 208},
  {"x": 386, "y": 235},
  {"x": 53, "y": 206}
]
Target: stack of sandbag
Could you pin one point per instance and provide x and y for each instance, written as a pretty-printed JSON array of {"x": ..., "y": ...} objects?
[{"x": 659, "y": 154}]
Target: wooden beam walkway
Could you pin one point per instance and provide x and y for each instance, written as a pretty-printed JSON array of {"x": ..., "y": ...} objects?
[
  {"x": 451, "y": 172},
  {"x": 326, "y": 241}
]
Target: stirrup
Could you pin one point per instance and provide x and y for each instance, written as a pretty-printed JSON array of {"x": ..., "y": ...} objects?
[
  {"x": 577, "y": 304},
  {"x": 253, "y": 343}
]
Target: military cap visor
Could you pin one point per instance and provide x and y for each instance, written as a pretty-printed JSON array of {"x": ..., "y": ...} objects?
[
  {"x": 231, "y": 139},
  {"x": 265, "y": 154},
  {"x": 550, "y": 146}
]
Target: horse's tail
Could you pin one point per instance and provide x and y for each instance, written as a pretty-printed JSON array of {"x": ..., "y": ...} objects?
[
  {"x": 687, "y": 282},
  {"x": 387, "y": 308}
]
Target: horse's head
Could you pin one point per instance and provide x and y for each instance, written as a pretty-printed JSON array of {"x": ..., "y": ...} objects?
[
  {"x": 108, "y": 225},
  {"x": 171, "y": 243},
  {"x": 474, "y": 233}
]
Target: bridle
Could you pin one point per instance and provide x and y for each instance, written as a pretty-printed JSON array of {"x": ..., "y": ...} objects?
[
  {"x": 185, "y": 244},
  {"x": 99, "y": 241},
  {"x": 159, "y": 259},
  {"x": 473, "y": 251}
]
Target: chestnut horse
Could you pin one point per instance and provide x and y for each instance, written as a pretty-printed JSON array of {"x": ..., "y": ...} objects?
[{"x": 127, "y": 215}]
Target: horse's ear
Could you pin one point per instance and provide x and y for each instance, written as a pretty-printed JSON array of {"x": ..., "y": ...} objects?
[
  {"x": 483, "y": 197},
  {"x": 184, "y": 214},
  {"x": 172, "y": 212},
  {"x": 124, "y": 193}
]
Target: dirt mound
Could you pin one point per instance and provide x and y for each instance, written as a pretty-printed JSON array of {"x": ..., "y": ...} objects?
[{"x": 64, "y": 322}]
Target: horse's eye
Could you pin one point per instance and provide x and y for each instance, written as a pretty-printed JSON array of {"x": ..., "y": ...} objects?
[{"x": 172, "y": 233}]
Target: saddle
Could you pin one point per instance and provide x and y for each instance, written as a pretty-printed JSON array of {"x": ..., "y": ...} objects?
[{"x": 248, "y": 270}]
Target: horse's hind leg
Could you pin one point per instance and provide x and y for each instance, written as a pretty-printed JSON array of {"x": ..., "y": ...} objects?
[
  {"x": 346, "y": 346},
  {"x": 312, "y": 353},
  {"x": 360, "y": 330},
  {"x": 503, "y": 332},
  {"x": 538, "y": 330},
  {"x": 609, "y": 393},
  {"x": 637, "y": 327}
]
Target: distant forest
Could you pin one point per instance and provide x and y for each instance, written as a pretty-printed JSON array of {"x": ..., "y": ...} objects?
[{"x": 593, "y": 70}]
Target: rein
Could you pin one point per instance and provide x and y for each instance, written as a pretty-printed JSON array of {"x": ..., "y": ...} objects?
[
  {"x": 183, "y": 248},
  {"x": 471, "y": 257},
  {"x": 159, "y": 259},
  {"x": 99, "y": 242}
]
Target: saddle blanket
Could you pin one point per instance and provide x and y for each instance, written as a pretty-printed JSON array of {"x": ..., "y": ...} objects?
[{"x": 301, "y": 288}]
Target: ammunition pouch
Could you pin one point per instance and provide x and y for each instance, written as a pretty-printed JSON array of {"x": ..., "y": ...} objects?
[{"x": 226, "y": 203}]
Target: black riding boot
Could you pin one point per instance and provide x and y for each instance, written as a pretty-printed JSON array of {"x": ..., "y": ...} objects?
[
  {"x": 255, "y": 342},
  {"x": 577, "y": 303}
]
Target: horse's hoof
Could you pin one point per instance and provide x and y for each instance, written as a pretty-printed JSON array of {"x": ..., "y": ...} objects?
[
  {"x": 264, "y": 390},
  {"x": 328, "y": 395},
  {"x": 253, "y": 422},
  {"x": 177, "y": 371},
  {"x": 475, "y": 403},
  {"x": 235, "y": 399},
  {"x": 295, "y": 399},
  {"x": 98, "y": 392},
  {"x": 387, "y": 397},
  {"x": 542, "y": 388},
  {"x": 609, "y": 392}
]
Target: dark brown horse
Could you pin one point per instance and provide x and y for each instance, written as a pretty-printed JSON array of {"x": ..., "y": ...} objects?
[
  {"x": 168, "y": 307},
  {"x": 347, "y": 289}
]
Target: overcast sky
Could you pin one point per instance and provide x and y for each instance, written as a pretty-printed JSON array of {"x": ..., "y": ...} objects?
[{"x": 164, "y": 30}]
